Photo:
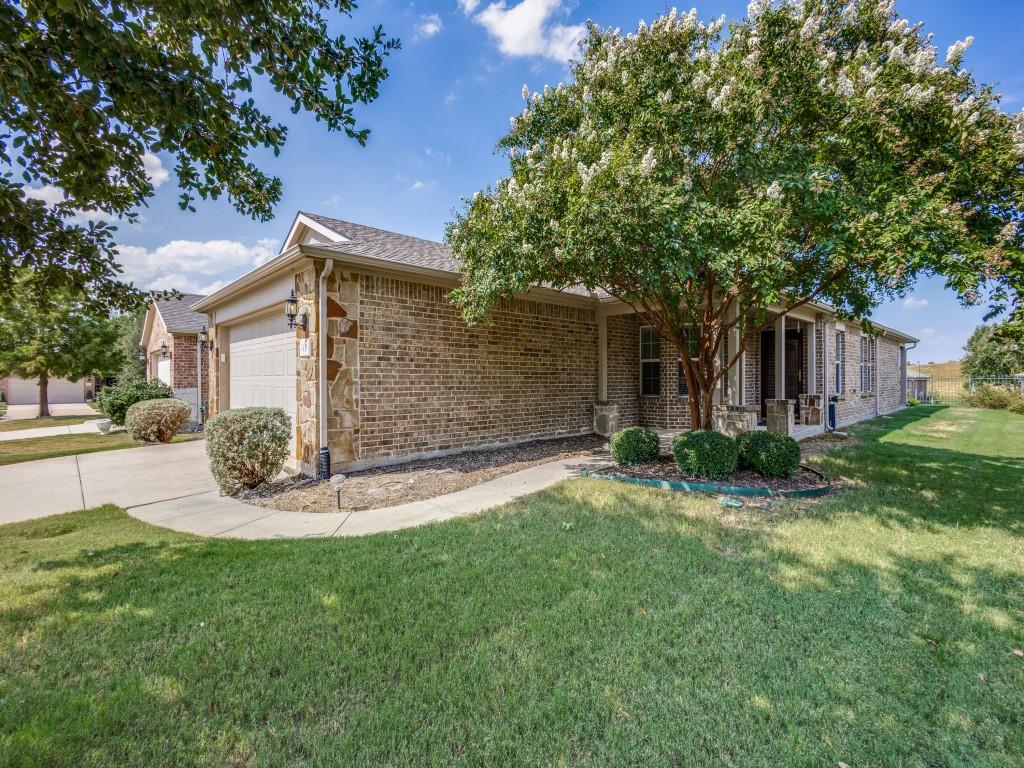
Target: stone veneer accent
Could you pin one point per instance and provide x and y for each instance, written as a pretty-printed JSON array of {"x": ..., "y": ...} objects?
[
  {"x": 307, "y": 373},
  {"x": 343, "y": 366},
  {"x": 428, "y": 382}
]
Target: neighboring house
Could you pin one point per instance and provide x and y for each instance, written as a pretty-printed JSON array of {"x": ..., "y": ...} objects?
[
  {"x": 18, "y": 391},
  {"x": 170, "y": 338},
  {"x": 381, "y": 368}
]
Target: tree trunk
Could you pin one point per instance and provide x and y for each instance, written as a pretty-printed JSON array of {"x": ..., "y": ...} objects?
[{"x": 44, "y": 401}]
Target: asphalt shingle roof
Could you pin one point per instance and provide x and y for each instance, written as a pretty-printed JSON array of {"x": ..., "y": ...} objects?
[
  {"x": 178, "y": 315},
  {"x": 381, "y": 244}
]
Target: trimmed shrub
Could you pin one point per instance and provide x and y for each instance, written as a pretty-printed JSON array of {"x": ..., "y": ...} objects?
[
  {"x": 157, "y": 421},
  {"x": 115, "y": 401},
  {"x": 1018, "y": 407},
  {"x": 705, "y": 453},
  {"x": 247, "y": 446},
  {"x": 634, "y": 445},
  {"x": 913, "y": 401},
  {"x": 769, "y": 454}
]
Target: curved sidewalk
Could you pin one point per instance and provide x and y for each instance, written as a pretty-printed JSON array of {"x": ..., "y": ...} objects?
[{"x": 210, "y": 514}]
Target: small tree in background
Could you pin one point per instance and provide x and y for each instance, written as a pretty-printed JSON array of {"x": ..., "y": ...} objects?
[
  {"x": 133, "y": 367},
  {"x": 820, "y": 151},
  {"x": 61, "y": 337},
  {"x": 994, "y": 350}
]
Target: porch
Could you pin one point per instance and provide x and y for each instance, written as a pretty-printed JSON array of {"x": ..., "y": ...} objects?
[{"x": 778, "y": 384}]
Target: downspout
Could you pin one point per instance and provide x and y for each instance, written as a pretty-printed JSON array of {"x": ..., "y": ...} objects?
[
  {"x": 199, "y": 382},
  {"x": 874, "y": 375},
  {"x": 321, "y": 332},
  {"x": 826, "y": 392},
  {"x": 906, "y": 364}
]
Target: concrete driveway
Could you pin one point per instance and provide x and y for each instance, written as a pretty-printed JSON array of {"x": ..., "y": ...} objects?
[
  {"x": 56, "y": 409},
  {"x": 127, "y": 478}
]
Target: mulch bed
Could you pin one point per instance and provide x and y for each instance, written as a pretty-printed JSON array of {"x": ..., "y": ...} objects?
[
  {"x": 417, "y": 480},
  {"x": 666, "y": 469}
]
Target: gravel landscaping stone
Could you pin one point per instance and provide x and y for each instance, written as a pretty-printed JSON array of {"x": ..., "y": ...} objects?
[{"x": 417, "y": 480}]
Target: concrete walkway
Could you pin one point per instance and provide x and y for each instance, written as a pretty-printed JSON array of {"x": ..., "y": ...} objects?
[
  {"x": 170, "y": 486},
  {"x": 209, "y": 514},
  {"x": 67, "y": 429}
]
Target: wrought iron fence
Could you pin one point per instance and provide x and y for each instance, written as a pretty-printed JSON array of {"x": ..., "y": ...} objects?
[{"x": 954, "y": 390}]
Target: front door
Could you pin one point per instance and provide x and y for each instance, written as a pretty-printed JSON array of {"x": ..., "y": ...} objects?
[{"x": 795, "y": 365}]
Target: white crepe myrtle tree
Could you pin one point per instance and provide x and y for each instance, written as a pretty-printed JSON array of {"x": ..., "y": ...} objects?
[{"x": 822, "y": 151}]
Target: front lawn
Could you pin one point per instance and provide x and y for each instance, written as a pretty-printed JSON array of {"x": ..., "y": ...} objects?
[
  {"x": 46, "y": 421},
  {"x": 591, "y": 624},
  {"x": 32, "y": 448}
]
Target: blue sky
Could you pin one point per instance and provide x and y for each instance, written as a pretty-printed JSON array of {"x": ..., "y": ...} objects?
[{"x": 452, "y": 88}]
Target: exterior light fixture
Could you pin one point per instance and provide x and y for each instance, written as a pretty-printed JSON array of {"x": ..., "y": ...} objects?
[
  {"x": 164, "y": 351},
  {"x": 291, "y": 311},
  {"x": 204, "y": 337}
]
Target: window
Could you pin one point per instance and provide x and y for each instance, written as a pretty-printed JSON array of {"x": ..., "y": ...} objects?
[
  {"x": 867, "y": 364},
  {"x": 650, "y": 362},
  {"x": 840, "y": 361},
  {"x": 693, "y": 349}
]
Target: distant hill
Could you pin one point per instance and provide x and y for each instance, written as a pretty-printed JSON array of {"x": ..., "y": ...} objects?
[{"x": 951, "y": 368}]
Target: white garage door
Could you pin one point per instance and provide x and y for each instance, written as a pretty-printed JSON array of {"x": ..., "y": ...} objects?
[
  {"x": 163, "y": 370},
  {"x": 262, "y": 366},
  {"x": 25, "y": 392}
]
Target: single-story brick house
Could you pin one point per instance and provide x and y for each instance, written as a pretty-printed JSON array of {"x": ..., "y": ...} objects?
[
  {"x": 171, "y": 344},
  {"x": 400, "y": 375}
]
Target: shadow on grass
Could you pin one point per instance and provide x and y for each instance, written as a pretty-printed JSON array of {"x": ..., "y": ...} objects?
[{"x": 591, "y": 624}]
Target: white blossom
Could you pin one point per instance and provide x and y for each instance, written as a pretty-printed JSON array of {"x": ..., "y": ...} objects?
[
  {"x": 774, "y": 191},
  {"x": 700, "y": 79},
  {"x": 1008, "y": 233},
  {"x": 956, "y": 51},
  {"x": 666, "y": 97},
  {"x": 844, "y": 86},
  {"x": 526, "y": 93},
  {"x": 648, "y": 162},
  {"x": 673, "y": 57},
  {"x": 810, "y": 27}
]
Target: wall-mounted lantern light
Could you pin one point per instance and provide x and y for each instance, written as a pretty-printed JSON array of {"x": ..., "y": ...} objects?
[
  {"x": 164, "y": 351},
  {"x": 204, "y": 338},
  {"x": 291, "y": 311}
]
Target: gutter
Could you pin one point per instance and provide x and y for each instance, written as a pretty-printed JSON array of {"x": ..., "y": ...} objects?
[{"x": 321, "y": 332}]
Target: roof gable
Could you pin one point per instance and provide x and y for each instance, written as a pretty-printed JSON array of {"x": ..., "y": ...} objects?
[{"x": 177, "y": 314}]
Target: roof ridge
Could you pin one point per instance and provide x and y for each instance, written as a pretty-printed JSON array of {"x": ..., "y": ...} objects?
[{"x": 375, "y": 229}]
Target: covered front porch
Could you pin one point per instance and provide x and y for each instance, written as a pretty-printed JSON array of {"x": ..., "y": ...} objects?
[{"x": 778, "y": 383}]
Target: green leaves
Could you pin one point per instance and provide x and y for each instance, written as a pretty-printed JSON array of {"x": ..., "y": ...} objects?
[
  {"x": 87, "y": 89},
  {"x": 814, "y": 152}
]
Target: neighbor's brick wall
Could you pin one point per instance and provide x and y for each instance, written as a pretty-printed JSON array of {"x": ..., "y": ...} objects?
[{"x": 429, "y": 382}]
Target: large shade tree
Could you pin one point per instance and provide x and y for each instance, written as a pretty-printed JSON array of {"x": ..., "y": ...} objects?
[
  {"x": 60, "y": 335},
  {"x": 994, "y": 350},
  {"x": 817, "y": 151},
  {"x": 90, "y": 90}
]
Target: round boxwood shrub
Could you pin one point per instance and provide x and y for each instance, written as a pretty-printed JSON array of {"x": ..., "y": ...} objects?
[
  {"x": 705, "y": 453},
  {"x": 157, "y": 421},
  {"x": 247, "y": 446},
  {"x": 634, "y": 445},
  {"x": 115, "y": 400},
  {"x": 769, "y": 454}
]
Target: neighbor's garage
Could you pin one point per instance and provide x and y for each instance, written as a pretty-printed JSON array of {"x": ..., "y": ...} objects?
[
  {"x": 261, "y": 365},
  {"x": 26, "y": 392}
]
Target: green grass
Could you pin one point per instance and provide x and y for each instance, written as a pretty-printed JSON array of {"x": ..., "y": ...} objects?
[
  {"x": 33, "y": 448},
  {"x": 47, "y": 421},
  {"x": 592, "y": 624}
]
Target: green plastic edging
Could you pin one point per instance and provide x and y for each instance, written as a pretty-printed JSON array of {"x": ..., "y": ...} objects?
[{"x": 732, "y": 490}]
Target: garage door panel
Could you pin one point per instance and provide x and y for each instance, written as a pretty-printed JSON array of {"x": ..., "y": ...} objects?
[
  {"x": 262, "y": 368},
  {"x": 26, "y": 391}
]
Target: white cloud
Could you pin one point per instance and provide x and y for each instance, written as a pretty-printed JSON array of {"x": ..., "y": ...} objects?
[
  {"x": 334, "y": 200},
  {"x": 911, "y": 303},
  {"x": 430, "y": 25},
  {"x": 526, "y": 28},
  {"x": 416, "y": 185},
  {"x": 927, "y": 333},
  {"x": 189, "y": 265},
  {"x": 450, "y": 98},
  {"x": 155, "y": 171}
]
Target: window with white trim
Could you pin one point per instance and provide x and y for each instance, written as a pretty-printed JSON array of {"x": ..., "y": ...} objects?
[
  {"x": 650, "y": 362},
  {"x": 840, "y": 361},
  {"x": 867, "y": 364}
]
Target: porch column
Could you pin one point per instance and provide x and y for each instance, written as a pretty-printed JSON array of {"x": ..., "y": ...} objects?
[
  {"x": 780, "y": 358},
  {"x": 602, "y": 357},
  {"x": 735, "y": 375},
  {"x": 812, "y": 358}
]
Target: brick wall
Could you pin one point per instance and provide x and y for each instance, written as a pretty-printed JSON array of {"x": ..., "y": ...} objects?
[
  {"x": 855, "y": 405},
  {"x": 182, "y": 348},
  {"x": 624, "y": 367},
  {"x": 428, "y": 382}
]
